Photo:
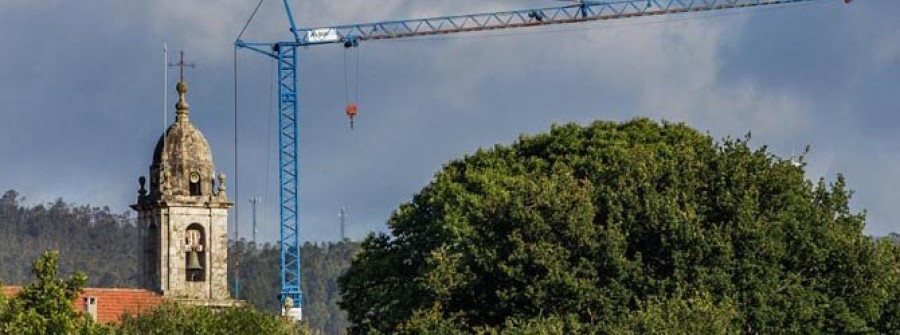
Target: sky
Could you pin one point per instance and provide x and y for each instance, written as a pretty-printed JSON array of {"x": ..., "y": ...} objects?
[{"x": 82, "y": 93}]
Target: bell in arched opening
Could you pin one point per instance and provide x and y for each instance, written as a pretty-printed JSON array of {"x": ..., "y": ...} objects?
[{"x": 194, "y": 264}]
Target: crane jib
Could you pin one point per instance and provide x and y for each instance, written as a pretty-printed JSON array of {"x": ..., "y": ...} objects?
[{"x": 587, "y": 11}]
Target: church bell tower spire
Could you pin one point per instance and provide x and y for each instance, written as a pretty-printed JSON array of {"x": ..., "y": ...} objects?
[{"x": 185, "y": 215}]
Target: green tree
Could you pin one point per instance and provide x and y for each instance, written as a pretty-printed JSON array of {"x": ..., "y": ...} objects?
[
  {"x": 45, "y": 306},
  {"x": 624, "y": 227}
]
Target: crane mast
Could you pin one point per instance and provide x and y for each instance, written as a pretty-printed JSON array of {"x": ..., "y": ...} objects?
[{"x": 286, "y": 55}]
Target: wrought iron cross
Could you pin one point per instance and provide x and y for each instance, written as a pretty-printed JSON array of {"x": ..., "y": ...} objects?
[{"x": 181, "y": 65}]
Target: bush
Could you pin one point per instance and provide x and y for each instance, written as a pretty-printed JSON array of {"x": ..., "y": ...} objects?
[{"x": 173, "y": 318}]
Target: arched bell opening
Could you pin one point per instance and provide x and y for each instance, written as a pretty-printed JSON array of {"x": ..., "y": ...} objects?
[
  {"x": 195, "y": 184},
  {"x": 195, "y": 248}
]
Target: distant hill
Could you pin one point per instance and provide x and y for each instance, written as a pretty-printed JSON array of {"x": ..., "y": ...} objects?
[{"x": 104, "y": 245}]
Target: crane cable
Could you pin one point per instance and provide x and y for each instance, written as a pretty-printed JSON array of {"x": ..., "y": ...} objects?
[
  {"x": 269, "y": 137},
  {"x": 252, "y": 15},
  {"x": 237, "y": 263},
  {"x": 237, "y": 258},
  {"x": 352, "y": 105}
]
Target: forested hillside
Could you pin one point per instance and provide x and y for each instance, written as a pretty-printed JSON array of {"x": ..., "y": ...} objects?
[{"x": 104, "y": 245}]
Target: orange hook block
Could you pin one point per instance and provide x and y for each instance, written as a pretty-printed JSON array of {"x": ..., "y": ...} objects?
[{"x": 351, "y": 113}]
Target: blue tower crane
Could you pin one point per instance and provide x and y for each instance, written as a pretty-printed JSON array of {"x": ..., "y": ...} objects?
[{"x": 286, "y": 55}]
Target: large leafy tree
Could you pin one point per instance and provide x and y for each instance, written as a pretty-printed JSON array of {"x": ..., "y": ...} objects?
[{"x": 624, "y": 227}]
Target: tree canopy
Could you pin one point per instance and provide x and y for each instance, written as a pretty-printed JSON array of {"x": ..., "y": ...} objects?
[
  {"x": 625, "y": 227},
  {"x": 45, "y": 306}
]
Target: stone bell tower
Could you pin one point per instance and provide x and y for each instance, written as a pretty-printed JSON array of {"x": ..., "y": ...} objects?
[{"x": 184, "y": 217}]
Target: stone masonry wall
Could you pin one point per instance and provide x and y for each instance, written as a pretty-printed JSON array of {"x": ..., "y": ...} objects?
[{"x": 214, "y": 223}]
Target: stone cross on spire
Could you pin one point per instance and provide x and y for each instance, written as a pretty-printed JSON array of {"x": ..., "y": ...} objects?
[{"x": 182, "y": 107}]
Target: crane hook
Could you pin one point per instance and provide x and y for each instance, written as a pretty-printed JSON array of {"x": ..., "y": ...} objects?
[
  {"x": 352, "y": 107},
  {"x": 351, "y": 113}
]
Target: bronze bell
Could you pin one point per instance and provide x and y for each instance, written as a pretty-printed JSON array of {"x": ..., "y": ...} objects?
[{"x": 194, "y": 261}]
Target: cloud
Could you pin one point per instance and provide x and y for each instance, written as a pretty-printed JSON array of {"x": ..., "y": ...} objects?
[{"x": 85, "y": 82}]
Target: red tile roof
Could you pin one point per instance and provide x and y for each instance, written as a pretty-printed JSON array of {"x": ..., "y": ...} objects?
[
  {"x": 10, "y": 291},
  {"x": 111, "y": 302}
]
